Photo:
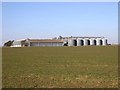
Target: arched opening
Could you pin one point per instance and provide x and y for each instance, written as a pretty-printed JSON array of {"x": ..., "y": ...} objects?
[
  {"x": 88, "y": 42},
  {"x": 101, "y": 42},
  {"x": 82, "y": 42},
  {"x": 95, "y": 42},
  {"x": 75, "y": 42}
]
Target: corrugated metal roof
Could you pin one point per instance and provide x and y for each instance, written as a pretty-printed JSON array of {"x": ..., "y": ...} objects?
[{"x": 45, "y": 40}]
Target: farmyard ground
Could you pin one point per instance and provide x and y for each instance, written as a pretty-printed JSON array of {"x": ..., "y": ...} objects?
[{"x": 56, "y": 67}]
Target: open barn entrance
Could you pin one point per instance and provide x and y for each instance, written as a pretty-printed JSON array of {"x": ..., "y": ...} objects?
[
  {"x": 101, "y": 42},
  {"x": 75, "y": 42},
  {"x": 95, "y": 42}
]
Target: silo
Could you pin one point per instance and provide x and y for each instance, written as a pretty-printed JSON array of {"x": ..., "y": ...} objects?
[
  {"x": 98, "y": 41},
  {"x": 79, "y": 42},
  {"x": 91, "y": 41},
  {"x": 101, "y": 42},
  {"x": 88, "y": 42},
  {"x": 85, "y": 41},
  {"x": 94, "y": 42},
  {"x": 72, "y": 42},
  {"x": 104, "y": 41}
]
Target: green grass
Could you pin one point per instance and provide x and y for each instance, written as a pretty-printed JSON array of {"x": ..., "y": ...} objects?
[{"x": 56, "y": 67}]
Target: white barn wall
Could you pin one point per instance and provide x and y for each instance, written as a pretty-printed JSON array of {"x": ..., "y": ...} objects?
[
  {"x": 46, "y": 44},
  {"x": 75, "y": 41}
]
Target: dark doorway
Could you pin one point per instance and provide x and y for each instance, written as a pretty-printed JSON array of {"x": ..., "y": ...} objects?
[
  {"x": 75, "y": 42},
  {"x": 82, "y": 42},
  {"x": 88, "y": 42},
  {"x": 106, "y": 42},
  {"x": 95, "y": 42},
  {"x": 66, "y": 44},
  {"x": 101, "y": 43}
]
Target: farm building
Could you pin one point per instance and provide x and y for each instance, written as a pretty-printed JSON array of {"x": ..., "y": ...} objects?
[{"x": 62, "y": 41}]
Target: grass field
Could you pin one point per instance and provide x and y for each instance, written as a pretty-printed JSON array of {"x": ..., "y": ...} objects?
[{"x": 56, "y": 67}]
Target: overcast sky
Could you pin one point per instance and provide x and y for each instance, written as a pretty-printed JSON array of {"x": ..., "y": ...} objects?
[{"x": 48, "y": 20}]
